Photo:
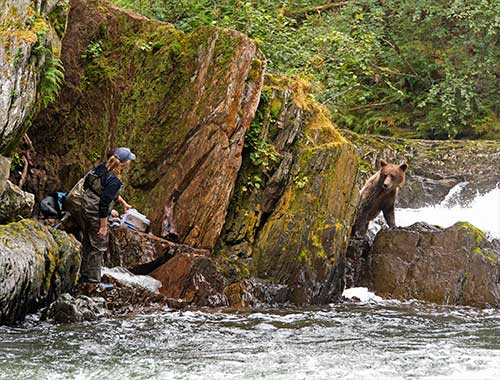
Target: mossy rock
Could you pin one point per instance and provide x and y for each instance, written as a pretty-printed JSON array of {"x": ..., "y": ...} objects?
[
  {"x": 456, "y": 265},
  {"x": 37, "y": 264},
  {"x": 181, "y": 102},
  {"x": 292, "y": 228}
]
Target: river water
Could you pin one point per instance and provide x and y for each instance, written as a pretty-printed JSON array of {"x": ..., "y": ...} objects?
[
  {"x": 387, "y": 340},
  {"x": 377, "y": 339}
]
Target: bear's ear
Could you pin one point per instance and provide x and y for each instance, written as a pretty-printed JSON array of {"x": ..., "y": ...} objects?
[
  {"x": 403, "y": 167},
  {"x": 382, "y": 163}
]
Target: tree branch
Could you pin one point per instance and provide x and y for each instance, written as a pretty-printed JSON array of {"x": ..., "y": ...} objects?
[
  {"x": 303, "y": 13},
  {"x": 373, "y": 105}
]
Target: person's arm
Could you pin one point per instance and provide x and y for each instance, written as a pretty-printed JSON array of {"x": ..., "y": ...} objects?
[
  {"x": 103, "y": 227},
  {"x": 109, "y": 192},
  {"x": 124, "y": 204}
]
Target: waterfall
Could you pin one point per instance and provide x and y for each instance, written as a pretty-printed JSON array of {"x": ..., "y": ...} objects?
[{"x": 483, "y": 212}]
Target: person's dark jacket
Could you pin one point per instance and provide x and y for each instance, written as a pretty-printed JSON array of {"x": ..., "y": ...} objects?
[{"x": 110, "y": 186}]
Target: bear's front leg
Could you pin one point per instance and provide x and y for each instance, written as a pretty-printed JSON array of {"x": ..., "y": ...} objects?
[{"x": 389, "y": 216}]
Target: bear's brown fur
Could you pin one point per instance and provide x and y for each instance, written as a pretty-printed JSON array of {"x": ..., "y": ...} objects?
[{"x": 379, "y": 194}]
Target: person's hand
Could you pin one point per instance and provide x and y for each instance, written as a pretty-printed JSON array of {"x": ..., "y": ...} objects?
[
  {"x": 126, "y": 206},
  {"x": 103, "y": 231},
  {"x": 115, "y": 214}
]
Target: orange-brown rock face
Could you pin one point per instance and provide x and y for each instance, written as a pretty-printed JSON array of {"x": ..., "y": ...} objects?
[
  {"x": 182, "y": 103},
  {"x": 291, "y": 215},
  {"x": 192, "y": 278}
]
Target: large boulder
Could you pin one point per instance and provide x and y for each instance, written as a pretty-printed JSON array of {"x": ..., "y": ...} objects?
[
  {"x": 435, "y": 167},
  {"x": 37, "y": 264},
  {"x": 181, "y": 102},
  {"x": 30, "y": 44},
  {"x": 456, "y": 266},
  {"x": 15, "y": 203},
  {"x": 192, "y": 278},
  {"x": 290, "y": 218}
]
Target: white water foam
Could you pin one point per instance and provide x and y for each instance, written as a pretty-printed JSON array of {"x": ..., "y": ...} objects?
[
  {"x": 483, "y": 212},
  {"x": 362, "y": 294}
]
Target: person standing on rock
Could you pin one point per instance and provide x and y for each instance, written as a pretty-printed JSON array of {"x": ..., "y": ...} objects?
[{"x": 101, "y": 187}]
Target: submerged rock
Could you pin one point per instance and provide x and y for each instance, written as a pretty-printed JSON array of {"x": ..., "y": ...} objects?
[
  {"x": 193, "y": 279},
  {"x": 68, "y": 309},
  {"x": 456, "y": 265},
  {"x": 15, "y": 203},
  {"x": 37, "y": 264}
]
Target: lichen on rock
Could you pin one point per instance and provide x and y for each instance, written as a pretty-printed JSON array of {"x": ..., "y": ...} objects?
[{"x": 291, "y": 214}]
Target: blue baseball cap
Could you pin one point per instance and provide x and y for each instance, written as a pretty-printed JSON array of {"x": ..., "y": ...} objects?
[{"x": 124, "y": 154}]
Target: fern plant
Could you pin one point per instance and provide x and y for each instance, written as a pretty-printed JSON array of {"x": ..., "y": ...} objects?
[{"x": 51, "y": 71}]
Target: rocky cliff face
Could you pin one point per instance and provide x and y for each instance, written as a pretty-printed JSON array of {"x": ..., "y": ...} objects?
[
  {"x": 30, "y": 44},
  {"x": 37, "y": 264},
  {"x": 434, "y": 166},
  {"x": 182, "y": 102},
  {"x": 456, "y": 266},
  {"x": 290, "y": 218}
]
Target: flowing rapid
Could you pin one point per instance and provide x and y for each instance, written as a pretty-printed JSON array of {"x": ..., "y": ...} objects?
[
  {"x": 483, "y": 212},
  {"x": 373, "y": 339},
  {"x": 387, "y": 340}
]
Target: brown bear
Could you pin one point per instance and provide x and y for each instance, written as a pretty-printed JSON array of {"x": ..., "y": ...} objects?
[{"x": 379, "y": 194}]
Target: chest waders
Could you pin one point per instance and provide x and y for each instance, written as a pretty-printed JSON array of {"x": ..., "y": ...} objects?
[{"x": 93, "y": 246}]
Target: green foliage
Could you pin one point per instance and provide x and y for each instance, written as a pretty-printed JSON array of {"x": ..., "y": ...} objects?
[
  {"x": 93, "y": 51},
  {"x": 422, "y": 68},
  {"x": 262, "y": 154},
  {"x": 51, "y": 71},
  {"x": 16, "y": 164}
]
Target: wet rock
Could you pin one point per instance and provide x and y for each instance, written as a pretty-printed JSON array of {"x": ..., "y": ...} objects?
[
  {"x": 192, "y": 278},
  {"x": 290, "y": 217},
  {"x": 68, "y": 309},
  {"x": 241, "y": 294},
  {"x": 123, "y": 298},
  {"x": 139, "y": 252},
  {"x": 456, "y": 265},
  {"x": 37, "y": 264},
  {"x": 25, "y": 54},
  {"x": 182, "y": 102},
  {"x": 15, "y": 203},
  {"x": 357, "y": 261},
  {"x": 435, "y": 167}
]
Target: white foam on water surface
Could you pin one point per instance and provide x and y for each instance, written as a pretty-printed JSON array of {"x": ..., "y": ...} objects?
[{"x": 363, "y": 294}]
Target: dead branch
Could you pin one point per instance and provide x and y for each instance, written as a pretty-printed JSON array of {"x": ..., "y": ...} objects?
[{"x": 25, "y": 172}]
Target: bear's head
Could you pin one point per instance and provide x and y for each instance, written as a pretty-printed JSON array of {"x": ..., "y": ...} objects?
[{"x": 392, "y": 176}]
